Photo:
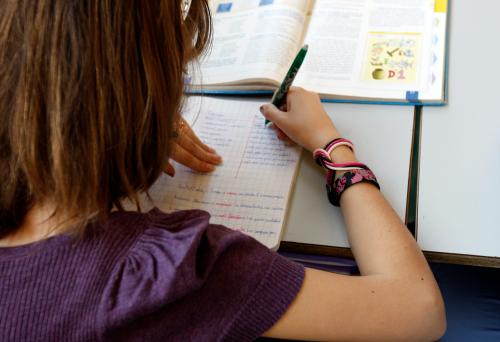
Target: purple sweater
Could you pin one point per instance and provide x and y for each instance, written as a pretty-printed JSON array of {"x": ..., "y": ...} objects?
[{"x": 147, "y": 277}]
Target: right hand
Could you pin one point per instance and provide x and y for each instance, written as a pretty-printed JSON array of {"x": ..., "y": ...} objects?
[{"x": 304, "y": 121}]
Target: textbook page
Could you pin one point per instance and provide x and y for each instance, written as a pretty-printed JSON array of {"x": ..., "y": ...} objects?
[
  {"x": 249, "y": 192},
  {"x": 254, "y": 41},
  {"x": 378, "y": 49}
]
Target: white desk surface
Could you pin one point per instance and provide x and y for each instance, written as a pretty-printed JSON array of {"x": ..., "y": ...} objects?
[
  {"x": 382, "y": 137},
  {"x": 459, "y": 206}
]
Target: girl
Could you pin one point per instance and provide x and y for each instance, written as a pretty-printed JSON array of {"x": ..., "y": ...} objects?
[{"x": 90, "y": 93}]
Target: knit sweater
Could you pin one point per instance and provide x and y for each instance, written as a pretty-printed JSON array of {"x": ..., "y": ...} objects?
[{"x": 145, "y": 277}]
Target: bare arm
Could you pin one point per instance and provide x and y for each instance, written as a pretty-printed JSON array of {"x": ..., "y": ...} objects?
[{"x": 396, "y": 296}]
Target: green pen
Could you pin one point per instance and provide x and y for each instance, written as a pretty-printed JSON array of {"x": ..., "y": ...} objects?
[{"x": 280, "y": 93}]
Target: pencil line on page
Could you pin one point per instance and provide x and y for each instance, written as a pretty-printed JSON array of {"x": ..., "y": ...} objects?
[{"x": 245, "y": 149}]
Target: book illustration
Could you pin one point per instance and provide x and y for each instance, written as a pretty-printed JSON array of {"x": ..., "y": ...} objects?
[{"x": 392, "y": 57}]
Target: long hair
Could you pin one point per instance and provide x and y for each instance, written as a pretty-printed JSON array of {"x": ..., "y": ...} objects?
[{"x": 89, "y": 95}]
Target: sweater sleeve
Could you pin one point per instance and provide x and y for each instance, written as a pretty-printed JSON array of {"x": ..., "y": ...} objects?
[{"x": 186, "y": 279}]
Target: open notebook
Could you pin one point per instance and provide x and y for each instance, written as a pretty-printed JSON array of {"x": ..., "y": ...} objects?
[{"x": 250, "y": 191}]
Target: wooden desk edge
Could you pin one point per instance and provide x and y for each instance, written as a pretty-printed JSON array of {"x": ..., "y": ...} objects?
[{"x": 448, "y": 258}]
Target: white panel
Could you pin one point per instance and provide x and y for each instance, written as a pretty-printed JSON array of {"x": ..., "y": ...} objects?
[
  {"x": 459, "y": 210},
  {"x": 382, "y": 137}
]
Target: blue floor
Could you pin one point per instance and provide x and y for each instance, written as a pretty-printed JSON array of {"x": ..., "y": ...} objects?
[
  {"x": 472, "y": 299},
  {"x": 471, "y": 295}
]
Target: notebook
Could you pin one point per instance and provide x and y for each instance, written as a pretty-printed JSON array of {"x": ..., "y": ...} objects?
[
  {"x": 250, "y": 191},
  {"x": 367, "y": 51}
]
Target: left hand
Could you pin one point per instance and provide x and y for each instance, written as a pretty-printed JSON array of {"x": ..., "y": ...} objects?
[{"x": 190, "y": 151}]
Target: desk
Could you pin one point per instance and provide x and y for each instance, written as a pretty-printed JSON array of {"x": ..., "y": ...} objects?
[
  {"x": 458, "y": 216},
  {"x": 382, "y": 136},
  {"x": 459, "y": 190}
]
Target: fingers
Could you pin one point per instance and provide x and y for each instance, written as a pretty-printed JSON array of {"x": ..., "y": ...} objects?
[
  {"x": 187, "y": 130},
  {"x": 271, "y": 113},
  {"x": 186, "y": 158},
  {"x": 283, "y": 137},
  {"x": 197, "y": 149},
  {"x": 280, "y": 134},
  {"x": 276, "y": 116},
  {"x": 169, "y": 170},
  {"x": 191, "y": 152}
]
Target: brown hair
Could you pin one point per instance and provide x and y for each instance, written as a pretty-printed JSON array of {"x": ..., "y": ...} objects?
[{"x": 89, "y": 95}]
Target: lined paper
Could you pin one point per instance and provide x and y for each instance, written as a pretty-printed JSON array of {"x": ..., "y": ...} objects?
[{"x": 250, "y": 191}]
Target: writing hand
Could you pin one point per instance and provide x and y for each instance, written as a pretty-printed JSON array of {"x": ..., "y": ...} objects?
[
  {"x": 279, "y": 133},
  {"x": 190, "y": 151},
  {"x": 303, "y": 120}
]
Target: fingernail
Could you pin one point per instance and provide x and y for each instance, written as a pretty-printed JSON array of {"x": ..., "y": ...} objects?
[
  {"x": 208, "y": 148},
  {"x": 170, "y": 170}
]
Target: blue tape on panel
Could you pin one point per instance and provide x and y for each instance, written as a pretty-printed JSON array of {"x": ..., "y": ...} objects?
[
  {"x": 412, "y": 96},
  {"x": 225, "y": 7},
  {"x": 266, "y": 2}
]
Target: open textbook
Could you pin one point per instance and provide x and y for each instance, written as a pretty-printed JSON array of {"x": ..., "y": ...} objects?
[
  {"x": 359, "y": 50},
  {"x": 249, "y": 192}
]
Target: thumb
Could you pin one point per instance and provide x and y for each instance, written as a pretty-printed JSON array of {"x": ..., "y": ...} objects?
[{"x": 272, "y": 113}]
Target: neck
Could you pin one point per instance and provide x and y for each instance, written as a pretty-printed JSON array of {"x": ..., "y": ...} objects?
[{"x": 38, "y": 224}]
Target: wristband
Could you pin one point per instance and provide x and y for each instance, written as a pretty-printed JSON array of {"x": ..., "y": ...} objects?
[{"x": 336, "y": 187}]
